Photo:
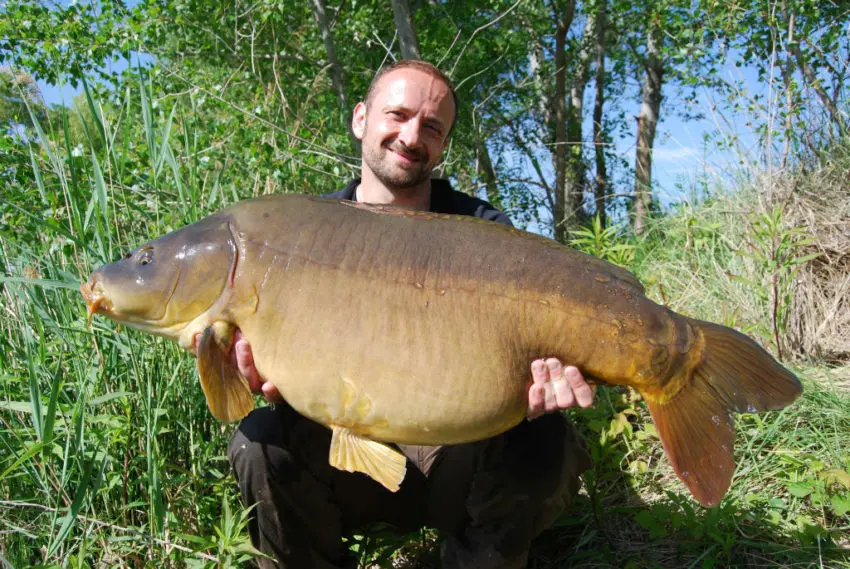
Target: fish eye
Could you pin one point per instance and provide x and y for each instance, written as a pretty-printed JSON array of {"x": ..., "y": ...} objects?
[{"x": 145, "y": 257}]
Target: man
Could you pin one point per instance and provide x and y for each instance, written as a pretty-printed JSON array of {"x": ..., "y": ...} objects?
[{"x": 488, "y": 498}]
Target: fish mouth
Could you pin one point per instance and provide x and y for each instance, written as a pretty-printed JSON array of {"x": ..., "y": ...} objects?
[
  {"x": 98, "y": 301},
  {"x": 95, "y": 301}
]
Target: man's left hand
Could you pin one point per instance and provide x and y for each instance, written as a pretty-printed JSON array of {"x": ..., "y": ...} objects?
[{"x": 556, "y": 387}]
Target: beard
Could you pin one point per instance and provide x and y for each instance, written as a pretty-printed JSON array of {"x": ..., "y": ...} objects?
[{"x": 383, "y": 164}]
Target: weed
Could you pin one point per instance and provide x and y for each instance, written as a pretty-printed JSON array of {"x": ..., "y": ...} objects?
[{"x": 604, "y": 242}]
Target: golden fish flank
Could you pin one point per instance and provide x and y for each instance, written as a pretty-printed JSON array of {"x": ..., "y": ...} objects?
[{"x": 391, "y": 325}]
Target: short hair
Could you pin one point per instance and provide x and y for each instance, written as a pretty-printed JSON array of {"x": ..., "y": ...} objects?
[{"x": 418, "y": 65}]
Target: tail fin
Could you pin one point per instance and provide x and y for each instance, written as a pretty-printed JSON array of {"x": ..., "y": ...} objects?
[{"x": 696, "y": 426}]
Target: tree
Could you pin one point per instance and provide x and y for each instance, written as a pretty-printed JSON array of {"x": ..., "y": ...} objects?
[
  {"x": 668, "y": 45},
  {"x": 19, "y": 96},
  {"x": 57, "y": 42},
  {"x": 601, "y": 181},
  {"x": 647, "y": 123},
  {"x": 807, "y": 43},
  {"x": 408, "y": 41}
]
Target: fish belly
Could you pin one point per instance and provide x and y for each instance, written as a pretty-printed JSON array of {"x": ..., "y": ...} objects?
[{"x": 420, "y": 367}]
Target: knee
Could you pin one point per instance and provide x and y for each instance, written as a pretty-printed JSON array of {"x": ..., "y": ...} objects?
[
  {"x": 246, "y": 455},
  {"x": 258, "y": 450},
  {"x": 546, "y": 457}
]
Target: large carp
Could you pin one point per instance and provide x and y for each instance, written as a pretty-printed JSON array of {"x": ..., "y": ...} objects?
[{"x": 387, "y": 324}]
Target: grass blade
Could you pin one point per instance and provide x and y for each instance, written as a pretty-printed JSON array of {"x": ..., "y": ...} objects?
[
  {"x": 39, "y": 182},
  {"x": 31, "y": 452},
  {"x": 164, "y": 143}
]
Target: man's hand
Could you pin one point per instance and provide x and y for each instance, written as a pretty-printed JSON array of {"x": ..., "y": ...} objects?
[
  {"x": 244, "y": 358},
  {"x": 556, "y": 387}
]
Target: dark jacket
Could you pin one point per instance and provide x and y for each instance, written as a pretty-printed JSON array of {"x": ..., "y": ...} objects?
[{"x": 443, "y": 200}]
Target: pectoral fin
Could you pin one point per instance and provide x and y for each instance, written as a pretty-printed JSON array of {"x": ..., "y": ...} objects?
[
  {"x": 353, "y": 453},
  {"x": 228, "y": 395}
]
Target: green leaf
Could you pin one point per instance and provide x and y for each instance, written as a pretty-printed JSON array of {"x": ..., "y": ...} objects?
[
  {"x": 648, "y": 521},
  {"x": 32, "y": 451},
  {"x": 44, "y": 283},
  {"x": 16, "y": 406},
  {"x": 110, "y": 397},
  {"x": 71, "y": 516},
  {"x": 840, "y": 504},
  {"x": 800, "y": 489},
  {"x": 835, "y": 476},
  {"x": 37, "y": 173}
]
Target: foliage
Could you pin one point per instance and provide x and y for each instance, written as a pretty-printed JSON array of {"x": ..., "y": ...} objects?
[
  {"x": 604, "y": 242},
  {"x": 18, "y": 97},
  {"x": 59, "y": 42},
  {"x": 795, "y": 49},
  {"x": 777, "y": 252}
]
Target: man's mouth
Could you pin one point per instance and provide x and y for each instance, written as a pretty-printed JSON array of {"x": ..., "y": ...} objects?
[
  {"x": 411, "y": 157},
  {"x": 407, "y": 157}
]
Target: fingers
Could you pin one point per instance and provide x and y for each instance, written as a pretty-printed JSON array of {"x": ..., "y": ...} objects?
[
  {"x": 270, "y": 393},
  {"x": 537, "y": 391},
  {"x": 245, "y": 364},
  {"x": 579, "y": 387},
  {"x": 555, "y": 387},
  {"x": 561, "y": 392},
  {"x": 539, "y": 371}
]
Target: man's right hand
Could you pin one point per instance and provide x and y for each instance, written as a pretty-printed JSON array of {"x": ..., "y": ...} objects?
[{"x": 245, "y": 362}]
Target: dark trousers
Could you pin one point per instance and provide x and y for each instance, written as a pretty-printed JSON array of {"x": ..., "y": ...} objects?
[{"x": 489, "y": 499}]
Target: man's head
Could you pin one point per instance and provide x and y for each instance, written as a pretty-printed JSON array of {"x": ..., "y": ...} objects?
[{"x": 404, "y": 123}]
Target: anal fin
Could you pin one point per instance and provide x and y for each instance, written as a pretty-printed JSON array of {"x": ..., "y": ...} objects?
[
  {"x": 353, "y": 453},
  {"x": 228, "y": 395}
]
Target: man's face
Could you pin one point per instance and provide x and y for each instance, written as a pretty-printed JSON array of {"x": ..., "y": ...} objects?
[{"x": 404, "y": 127}]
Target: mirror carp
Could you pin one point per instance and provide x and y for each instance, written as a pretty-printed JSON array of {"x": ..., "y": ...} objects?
[{"x": 392, "y": 325}]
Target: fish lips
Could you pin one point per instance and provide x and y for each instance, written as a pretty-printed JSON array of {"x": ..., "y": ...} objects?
[{"x": 94, "y": 298}]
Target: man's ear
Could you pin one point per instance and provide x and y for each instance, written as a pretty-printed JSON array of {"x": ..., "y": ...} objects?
[{"x": 358, "y": 120}]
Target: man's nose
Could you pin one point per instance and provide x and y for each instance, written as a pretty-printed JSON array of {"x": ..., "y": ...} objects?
[{"x": 410, "y": 134}]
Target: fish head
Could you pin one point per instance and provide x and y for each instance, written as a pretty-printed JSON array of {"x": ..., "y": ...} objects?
[{"x": 162, "y": 286}]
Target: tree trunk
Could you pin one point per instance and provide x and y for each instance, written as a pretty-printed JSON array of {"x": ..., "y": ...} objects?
[
  {"x": 563, "y": 22},
  {"x": 574, "y": 182},
  {"x": 601, "y": 185},
  {"x": 544, "y": 95},
  {"x": 407, "y": 38},
  {"x": 336, "y": 68},
  {"x": 647, "y": 123},
  {"x": 485, "y": 168}
]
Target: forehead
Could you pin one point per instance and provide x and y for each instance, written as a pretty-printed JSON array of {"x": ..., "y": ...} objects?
[{"x": 414, "y": 89}]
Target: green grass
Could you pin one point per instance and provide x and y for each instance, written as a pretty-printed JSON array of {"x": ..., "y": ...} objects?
[{"x": 110, "y": 457}]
